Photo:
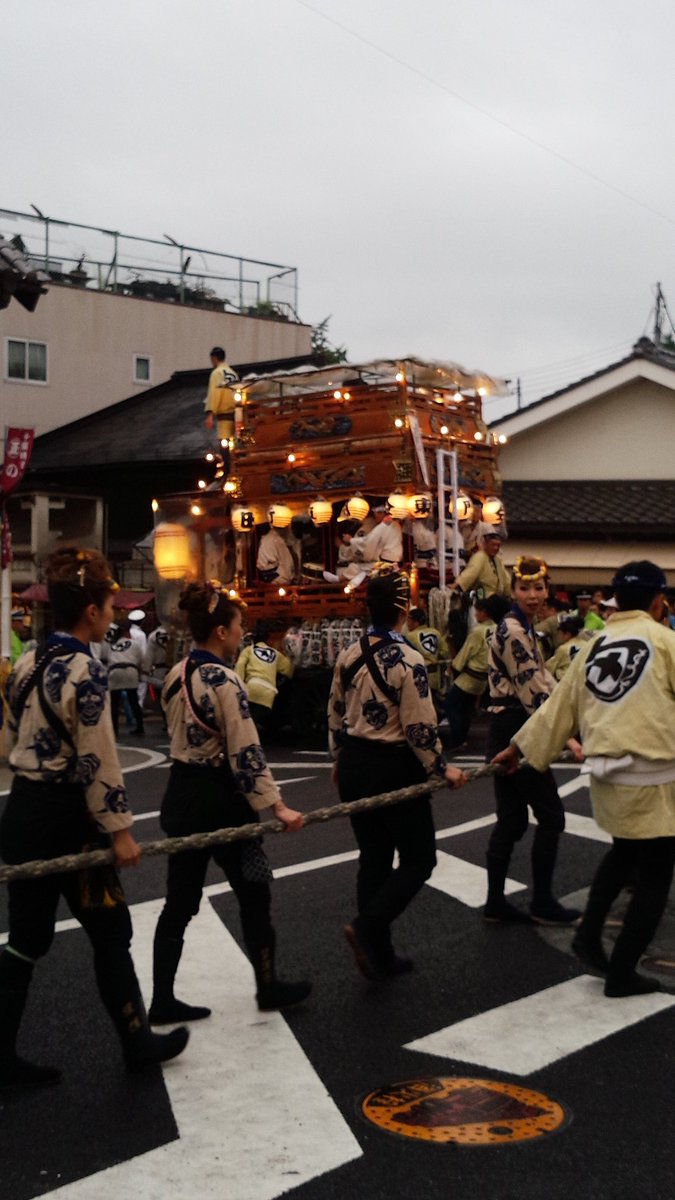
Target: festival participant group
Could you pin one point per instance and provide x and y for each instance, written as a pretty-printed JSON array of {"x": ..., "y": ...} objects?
[{"x": 596, "y": 681}]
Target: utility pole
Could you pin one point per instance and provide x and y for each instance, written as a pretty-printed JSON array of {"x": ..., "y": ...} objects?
[{"x": 658, "y": 313}]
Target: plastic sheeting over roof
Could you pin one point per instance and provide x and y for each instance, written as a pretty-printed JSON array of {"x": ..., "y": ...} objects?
[{"x": 430, "y": 373}]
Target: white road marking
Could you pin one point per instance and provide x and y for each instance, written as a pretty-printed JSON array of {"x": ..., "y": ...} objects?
[
  {"x": 528, "y": 1034},
  {"x": 290, "y": 766},
  {"x": 148, "y": 816},
  {"x": 574, "y": 785},
  {"x": 466, "y": 827},
  {"x": 253, "y": 1117},
  {"x": 585, "y": 827},
  {"x": 465, "y": 881},
  {"x": 152, "y": 759}
]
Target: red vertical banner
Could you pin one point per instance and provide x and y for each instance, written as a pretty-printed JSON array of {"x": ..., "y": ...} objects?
[{"x": 18, "y": 449}]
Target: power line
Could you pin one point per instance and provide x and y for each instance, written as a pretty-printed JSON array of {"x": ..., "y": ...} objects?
[{"x": 484, "y": 112}]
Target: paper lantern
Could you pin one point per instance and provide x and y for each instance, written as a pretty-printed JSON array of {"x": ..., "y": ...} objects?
[
  {"x": 171, "y": 549},
  {"x": 357, "y": 508},
  {"x": 419, "y": 506},
  {"x": 320, "y": 511},
  {"x": 397, "y": 506},
  {"x": 244, "y": 517},
  {"x": 493, "y": 510},
  {"x": 280, "y": 516},
  {"x": 465, "y": 508}
]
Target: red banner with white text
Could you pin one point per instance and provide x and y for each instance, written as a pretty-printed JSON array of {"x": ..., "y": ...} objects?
[{"x": 18, "y": 448}]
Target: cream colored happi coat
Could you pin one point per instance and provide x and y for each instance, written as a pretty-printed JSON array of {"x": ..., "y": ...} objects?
[{"x": 619, "y": 695}]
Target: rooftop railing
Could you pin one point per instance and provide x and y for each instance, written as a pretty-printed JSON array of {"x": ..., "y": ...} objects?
[{"x": 165, "y": 269}]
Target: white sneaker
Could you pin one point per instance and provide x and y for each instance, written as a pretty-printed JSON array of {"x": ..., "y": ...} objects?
[{"x": 330, "y": 577}]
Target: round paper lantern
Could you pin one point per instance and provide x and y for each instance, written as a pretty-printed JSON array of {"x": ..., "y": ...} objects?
[
  {"x": 397, "y": 506},
  {"x": 465, "y": 509},
  {"x": 357, "y": 508},
  {"x": 493, "y": 510},
  {"x": 243, "y": 518},
  {"x": 420, "y": 506},
  {"x": 320, "y": 511},
  {"x": 280, "y": 516},
  {"x": 171, "y": 550}
]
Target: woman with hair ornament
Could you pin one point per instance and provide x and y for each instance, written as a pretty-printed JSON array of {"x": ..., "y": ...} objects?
[
  {"x": 218, "y": 778},
  {"x": 67, "y": 796},
  {"x": 518, "y": 685},
  {"x": 383, "y": 736}
]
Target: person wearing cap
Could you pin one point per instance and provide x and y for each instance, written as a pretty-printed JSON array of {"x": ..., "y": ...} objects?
[
  {"x": 591, "y": 620},
  {"x": 520, "y": 684},
  {"x": 139, "y": 636},
  {"x": 485, "y": 572},
  {"x": 19, "y": 634},
  {"x": 382, "y": 737},
  {"x": 220, "y": 400},
  {"x": 619, "y": 694}
]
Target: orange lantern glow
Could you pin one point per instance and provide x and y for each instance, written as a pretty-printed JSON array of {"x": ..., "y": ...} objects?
[{"x": 171, "y": 551}]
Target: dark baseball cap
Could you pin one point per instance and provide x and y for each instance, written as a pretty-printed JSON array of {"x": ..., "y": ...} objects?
[{"x": 642, "y": 574}]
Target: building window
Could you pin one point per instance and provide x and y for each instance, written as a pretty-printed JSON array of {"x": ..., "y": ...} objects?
[
  {"x": 26, "y": 361},
  {"x": 141, "y": 368}
]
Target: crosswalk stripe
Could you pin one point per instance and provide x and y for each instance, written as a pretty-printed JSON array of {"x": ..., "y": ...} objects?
[
  {"x": 253, "y": 1117},
  {"x": 585, "y": 827},
  {"x": 464, "y": 881},
  {"x": 574, "y": 785},
  {"x": 528, "y": 1034}
]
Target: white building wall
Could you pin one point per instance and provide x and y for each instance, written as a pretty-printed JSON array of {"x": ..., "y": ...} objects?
[
  {"x": 627, "y": 434},
  {"x": 92, "y": 338}
]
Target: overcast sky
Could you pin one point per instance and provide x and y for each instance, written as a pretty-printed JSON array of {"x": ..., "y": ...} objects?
[{"x": 489, "y": 181}]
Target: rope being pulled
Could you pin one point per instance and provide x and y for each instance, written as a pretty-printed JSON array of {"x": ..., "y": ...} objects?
[{"x": 221, "y": 837}]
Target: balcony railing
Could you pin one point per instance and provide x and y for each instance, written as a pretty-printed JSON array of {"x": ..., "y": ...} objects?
[{"x": 87, "y": 256}]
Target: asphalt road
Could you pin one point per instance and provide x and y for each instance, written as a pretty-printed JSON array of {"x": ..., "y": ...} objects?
[{"x": 261, "y": 1106}]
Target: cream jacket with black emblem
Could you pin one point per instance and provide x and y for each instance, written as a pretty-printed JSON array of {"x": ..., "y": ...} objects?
[{"x": 619, "y": 696}]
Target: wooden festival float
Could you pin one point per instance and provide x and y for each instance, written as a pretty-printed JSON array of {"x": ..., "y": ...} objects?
[{"x": 314, "y": 445}]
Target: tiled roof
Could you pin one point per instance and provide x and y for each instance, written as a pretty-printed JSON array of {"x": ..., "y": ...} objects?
[
  {"x": 162, "y": 424},
  {"x": 587, "y": 508}
]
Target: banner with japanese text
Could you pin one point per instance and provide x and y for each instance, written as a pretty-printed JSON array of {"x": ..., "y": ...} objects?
[{"x": 18, "y": 448}]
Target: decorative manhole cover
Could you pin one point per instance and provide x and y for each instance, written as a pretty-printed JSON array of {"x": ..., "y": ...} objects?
[{"x": 468, "y": 1112}]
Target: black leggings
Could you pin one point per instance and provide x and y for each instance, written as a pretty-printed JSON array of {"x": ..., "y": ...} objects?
[
  {"x": 364, "y": 769},
  {"x": 515, "y": 793},
  {"x": 647, "y": 864},
  {"x": 200, "y": 799},
  {"x": 47, "y": 821}
]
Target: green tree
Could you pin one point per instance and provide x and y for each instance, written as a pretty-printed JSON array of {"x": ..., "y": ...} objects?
[{"x": 323, "y": 349}]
